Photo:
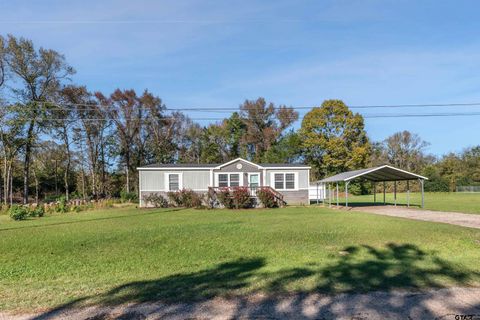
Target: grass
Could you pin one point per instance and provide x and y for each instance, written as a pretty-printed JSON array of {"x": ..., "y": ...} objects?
[
  {"x": 437, "y": 201},
  {"x": 127, "y": 254}
]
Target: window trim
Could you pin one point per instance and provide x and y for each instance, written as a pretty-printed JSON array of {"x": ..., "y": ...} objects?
[
  {"x": 167, "y": 181},
  {"x": 272, "y": 180},
  {"x": 240, "y": 178}
]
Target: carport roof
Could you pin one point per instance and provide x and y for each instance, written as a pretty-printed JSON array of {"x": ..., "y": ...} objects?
[{"x": 381, "y": 173}]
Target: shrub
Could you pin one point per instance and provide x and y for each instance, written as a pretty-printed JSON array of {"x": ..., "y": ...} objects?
[
  {"x": 267, "y": 198},
  {"x": 174, "y": 198},
  {"x": 241, "y": 198},
  {"x": 128, "y": 196},
  {"x": 156, "y": 200},
  {"x": 38, "y": 211},
  {"x": 77, "y": 208},
  {"x": 18, "y": 212},
  {"x": 62, "y": 205},
  {"x": 190, "y": 199},
  {"x": 185, "y": 198},
  {"x": 225, "y": 198},
  {"x": 238, "y": 197}
]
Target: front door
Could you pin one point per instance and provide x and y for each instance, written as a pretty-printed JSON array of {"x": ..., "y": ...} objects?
[{"x": 253, "y": 181}]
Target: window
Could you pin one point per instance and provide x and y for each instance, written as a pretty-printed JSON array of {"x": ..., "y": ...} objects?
[
  {"x": 234, "y": 180},
  {"x": 279, "y": 181},
  {"x": 173, "y": 182},
  {"x": 229, "y": 180},
  {"x": 284, "y": 181},
  {"x": 223, "y": 180},
  {"x": 289, "y": 181}
]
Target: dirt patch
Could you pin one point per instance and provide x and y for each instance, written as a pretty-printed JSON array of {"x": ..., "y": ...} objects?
[
  {"x": 460, "y": 219},
  {"x": 430, "y": 304}
]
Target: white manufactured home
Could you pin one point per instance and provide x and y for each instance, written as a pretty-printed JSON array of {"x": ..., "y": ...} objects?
[{"x": 290, "y": 181}]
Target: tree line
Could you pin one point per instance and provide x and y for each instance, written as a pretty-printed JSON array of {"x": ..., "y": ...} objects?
[{"x": 60, "y": 138}]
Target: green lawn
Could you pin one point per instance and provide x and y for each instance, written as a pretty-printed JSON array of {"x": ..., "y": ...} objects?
[
  {"x": 439, "y": 201},
  {"x": 128, "y": 254}
]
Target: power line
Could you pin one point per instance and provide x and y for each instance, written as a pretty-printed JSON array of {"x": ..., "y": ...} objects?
[
  {"x": 368, "y": 116},
  {"x": 93, "y": 106}
]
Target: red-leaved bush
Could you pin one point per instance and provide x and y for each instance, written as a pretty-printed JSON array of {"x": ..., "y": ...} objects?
[
  {"x": 237, "y": 197},
  {"x": 267, "y": 198}
]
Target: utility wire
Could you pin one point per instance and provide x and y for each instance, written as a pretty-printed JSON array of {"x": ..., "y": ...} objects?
[
  {"x": 368, "y": 116},
  {"x": 94, "y": 107}
]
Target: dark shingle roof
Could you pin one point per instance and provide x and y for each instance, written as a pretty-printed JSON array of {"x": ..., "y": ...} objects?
[
  {"x": 181, "y": 165},
  {"x": 213, "y": 165}
]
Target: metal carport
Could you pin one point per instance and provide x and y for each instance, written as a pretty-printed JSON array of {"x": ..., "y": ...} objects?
[{"x": 382, "y": 173}]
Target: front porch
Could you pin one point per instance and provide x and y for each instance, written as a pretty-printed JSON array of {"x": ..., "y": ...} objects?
[{"x": 252, "y": 191}]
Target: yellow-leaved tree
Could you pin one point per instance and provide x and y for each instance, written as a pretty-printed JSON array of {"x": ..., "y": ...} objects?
[{"x": 334, "y": 139}]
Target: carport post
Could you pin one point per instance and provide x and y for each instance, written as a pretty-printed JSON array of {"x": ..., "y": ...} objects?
[
  {"x": 346, "y": 193},
  {"x": 384, "y": 203},
  {"x": 374, "y": 193},
  {"x": 395, "y": 193},
  {"x": 337, "y": 194},
  {"x": 423, "y": 196},
  {"x": 408, "y": 193},
  {"x": 329, "y": 195}
]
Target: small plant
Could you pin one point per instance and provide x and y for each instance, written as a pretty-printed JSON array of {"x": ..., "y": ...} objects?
[
  {"x": 77, "y": 208},
  {"x": 128, "y": 196},
  {"x": 156, "y": 200},
  {"x": 18, "y": 212},
  {"x": 38, "y": 211},
  {"x": 62, "y": 205},
  {"x": 267, "y": 198}
]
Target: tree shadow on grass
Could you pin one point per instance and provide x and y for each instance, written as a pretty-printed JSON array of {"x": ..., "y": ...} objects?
[{"x": 357, "y": 270}]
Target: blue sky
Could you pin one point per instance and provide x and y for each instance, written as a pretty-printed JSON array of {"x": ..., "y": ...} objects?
[{"x": 299, "y": 53}]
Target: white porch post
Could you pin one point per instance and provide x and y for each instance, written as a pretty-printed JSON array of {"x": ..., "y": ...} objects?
[
  {"x": 337, "y": 194},
  {"x": 384, "y": 202},
  {"x": 395, "y": 192},
  {"x": 408, "y": 193},
  {"x": 329, "y": 195},
  {"x": 423, "y": 195},
  {"x": 346, "y": 193}
]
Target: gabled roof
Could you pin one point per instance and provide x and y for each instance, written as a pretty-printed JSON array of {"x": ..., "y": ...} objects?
[
  {"x": 179, "y": 166},
  {"x": 380, "y": 173},
  {"x": 235, "y": 160}
]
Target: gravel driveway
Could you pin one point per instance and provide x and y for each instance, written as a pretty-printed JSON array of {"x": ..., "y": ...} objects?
[
  {"x": 460, "y": 219},
  {"x": 431, "y": 304}
]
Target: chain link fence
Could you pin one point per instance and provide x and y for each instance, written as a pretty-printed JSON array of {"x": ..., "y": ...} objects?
[{"x": 468, "y": 189}]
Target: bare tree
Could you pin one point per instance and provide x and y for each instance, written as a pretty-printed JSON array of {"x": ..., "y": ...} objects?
[{"x": 41, "y": 73}]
